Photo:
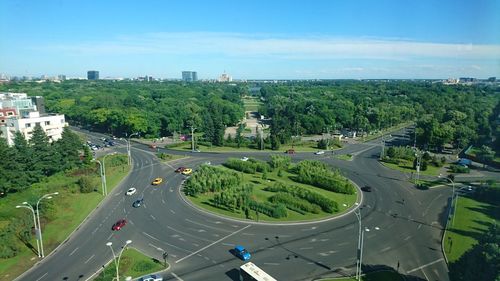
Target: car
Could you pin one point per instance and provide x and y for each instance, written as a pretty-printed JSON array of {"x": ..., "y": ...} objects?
[
  {"x": 157, "y": 181},
  {"x": 151, "y": 277},
  {"x": 119, "y": 225},
  {"x": 180, "y": 169},
  {"x": 137, "y": 203},
  {"x": 321, "y": 152},
  {"x": 242, "y": 253},
  {"x": 290, "y": 151},
  {"x": 366, "y": 188},
  {"x": 187, "y": 171},
  {"x": 131, "y": 191},
  {"x": 208, "y": 163},
  {"x": 244, "y": 158}
]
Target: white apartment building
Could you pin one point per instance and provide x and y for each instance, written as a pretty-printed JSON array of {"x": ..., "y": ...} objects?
[{"x": 52, "y": 124}]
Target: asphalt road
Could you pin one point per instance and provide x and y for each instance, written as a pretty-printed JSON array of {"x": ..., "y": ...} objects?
[{"x": 402, "y": 225}]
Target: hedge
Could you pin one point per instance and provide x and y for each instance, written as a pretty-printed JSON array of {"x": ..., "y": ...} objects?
[{"x": 326, "y": 204}]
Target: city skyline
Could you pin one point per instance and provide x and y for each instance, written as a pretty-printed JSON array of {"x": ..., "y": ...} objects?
[{"x": 258, "y": 40}]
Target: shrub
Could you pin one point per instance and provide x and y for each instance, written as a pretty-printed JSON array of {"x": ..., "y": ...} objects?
[
  {"x": 459, "y": 169},
  {"x": 86, "y": 184},
  {"x": 274, "y": 211},
  {"x": 211, "y": 179},
  {"x": 327, "y": 205},
  {"x": 318, "y": 174},
  {"x": 250, "y": 167},
  {"x": 280, "y": 161},
  {"x": 294, "y": 203}
]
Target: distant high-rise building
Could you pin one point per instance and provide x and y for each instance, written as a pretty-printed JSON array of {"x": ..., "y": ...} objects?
[
  {"x": 61, "y": 77},
  {"x": 189, "y": 76},
  {"x": 93, "y": 75},
  {"x": 492, "y": 79}
]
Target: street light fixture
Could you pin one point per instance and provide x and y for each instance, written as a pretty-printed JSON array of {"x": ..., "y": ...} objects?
[
  {"x": 104, "y": 173},
  {"x": 35, "y": 225},
  {"x": 453, "y": 197},
  {"x": 117, "y": 263},
  {"x": 357, "y": 212},
  {"x": 47, "y": 196},
  {"x": 101, "y": 175},
  {"x": 129, "y": 154}
]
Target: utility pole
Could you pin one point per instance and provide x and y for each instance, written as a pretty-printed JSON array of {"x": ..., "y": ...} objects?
[
  {"x": 415, "y": 137},
  {"x": 192, "y": 138},
  {"x": 383, "y": 147},
  {"x": 328, "y": 137},
  {"x": 419, "y": 157},
  {"x": 261, "y": 136}
]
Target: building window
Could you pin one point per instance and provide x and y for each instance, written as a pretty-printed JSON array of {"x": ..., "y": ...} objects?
[
  {"x": 37, "y": 124},
  {"x": 47, "y": 123},
  {"x": 1, "y": 113},
  {"x": 10, "y": 113},
  {"x": 28, "y": 125}
]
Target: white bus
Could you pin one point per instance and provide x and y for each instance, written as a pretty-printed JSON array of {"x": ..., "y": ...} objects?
[{"x": 250, "y": 272}]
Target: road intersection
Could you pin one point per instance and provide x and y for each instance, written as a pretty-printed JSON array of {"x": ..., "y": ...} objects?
[{"x": 403, "y": 227}]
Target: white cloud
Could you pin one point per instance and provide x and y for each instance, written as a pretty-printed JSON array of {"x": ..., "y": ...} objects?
[{"x": 276, "y": 46}]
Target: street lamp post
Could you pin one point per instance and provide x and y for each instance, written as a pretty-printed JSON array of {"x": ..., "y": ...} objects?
[
  {"x": 35, "y": 225},
  {"x": 453, "y": 197},
  {"x": 357, "y": 212},
  {"x": 48, "y": 196},
  {"x": 101, "y": 174},
  {"x": 104, "y": 173},
  {"x": 117, "y": 263},
  {"x": 128, "y": 148}
]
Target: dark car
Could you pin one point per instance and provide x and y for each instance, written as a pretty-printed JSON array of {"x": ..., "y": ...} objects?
[
  {"x": 119, "y": 225},
  {"x": 180, "y": 169},
  {"x": 137, "y": 203},
  {"x": 366, "y": 188},
  {"x": 290, "y": 151}
]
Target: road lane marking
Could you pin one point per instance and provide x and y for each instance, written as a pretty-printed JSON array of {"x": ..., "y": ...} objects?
[
  {"x": 228, "y": 244},
  {"x": 152, "y": 217},
  {"x": 385, "y": 249},
  {"x": 419, "y": 226},
  {"x": 425, "y": 265},
  {"x": 271, "y": 263},
  {"x": 406, "y": 239},
  {"x": 426, "y": 278},
  {"x": 42, "y": 276},
  {"x": 176, "y": 277},
  {"x": 171, "y": 245},
  {"x": 209, "y": 245},
  {"x": 73, "y": 251},
  {"x": 89, "y": 259},
  {"x": 172, "y": 211},
  {"x": 207, "y": 226}
]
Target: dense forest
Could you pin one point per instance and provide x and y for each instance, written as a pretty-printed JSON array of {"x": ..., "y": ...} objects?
[
  {"x": 445, "y": 114},
  {"x": 458, "y": 115}
]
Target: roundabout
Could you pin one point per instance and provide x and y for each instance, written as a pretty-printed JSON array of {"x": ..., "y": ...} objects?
[{"x": 402, "y": 227}]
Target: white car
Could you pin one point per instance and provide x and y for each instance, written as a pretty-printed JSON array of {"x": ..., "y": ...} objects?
[
  {"x": 244, "y": 159},
  {"x": 151, "y": 278},
  {"x": 131, "y": 191},
  {"x": 319, "y": 152}
]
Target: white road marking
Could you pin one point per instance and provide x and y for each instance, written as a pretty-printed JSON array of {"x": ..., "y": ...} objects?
[
  {"x": 425, "y": 265},
  {"x": 385, "y": 249},
  {"x": 271, "y": 263},
  {"x": 163, "y": 201},
  {"x": 251, "y": 234},
  {"x": 152, "y": 217},
  {"x": 176, "y": 277},
  {"x": 109, "y": 237},
  {"x": 171, "y": 245},
  {"x": 406, "y": 239},
  {"x": 89, "y": 259},
  {"x": 228, "y": 244},
  {"x": 426, "y": 278},
  {"x": 419, "y": 226},
  {"x": 172, "y": 211},
  {"x": 42, "y": 276},
  {"x": 73, "y": 251},
  {"x": 209, "y": 245}
]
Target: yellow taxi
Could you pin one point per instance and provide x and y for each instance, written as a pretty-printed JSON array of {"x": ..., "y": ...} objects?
[
  {"x": 157, "y": 181},
  {"x": 187, "y": 171}
]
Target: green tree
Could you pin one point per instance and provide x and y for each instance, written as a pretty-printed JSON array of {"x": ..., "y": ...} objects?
[
  {"x": 45, "y": 159},
  {"x": 485, "y": 155}
]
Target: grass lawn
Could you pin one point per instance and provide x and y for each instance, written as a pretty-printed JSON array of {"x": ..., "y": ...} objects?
[
  {"x": 132, "y": 263},
  {"x": 347, "y": 157},
  {"x": 344, "y": 201},
  {"x": 251, "y": 103},
  {"x": 72, "y": 208},
  {"x": 310, "y": 146},
  {"x": 406, "y": 166},
  {"x": 377, "y": 276},
  {"x": 471, "y": 219}
]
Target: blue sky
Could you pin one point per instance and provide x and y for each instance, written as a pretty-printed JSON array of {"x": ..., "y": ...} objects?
[{"x": 252, "y": 39}]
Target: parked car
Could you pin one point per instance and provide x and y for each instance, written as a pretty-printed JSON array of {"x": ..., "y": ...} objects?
[
  {"x": 244, "y": 158},
  {"x": 157, "y": 181},
  {"x": 180, "y": 169},
  {"x": 151, "y": 277},
  {"x": 366, "y": 188},
  {"x": 119, "y": 225},
  {"x": 187, "y": 171},
  {"x": 131, "y": 191},
  {"x": 242, "y": 253},
  {"x": 321, "y": 152},
  {"x": 137, "y": 203}
]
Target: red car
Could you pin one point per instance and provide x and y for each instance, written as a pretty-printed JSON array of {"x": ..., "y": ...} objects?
[
  {"x": 180, "y": 169},
  {"x": 119, "y": 224}
]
